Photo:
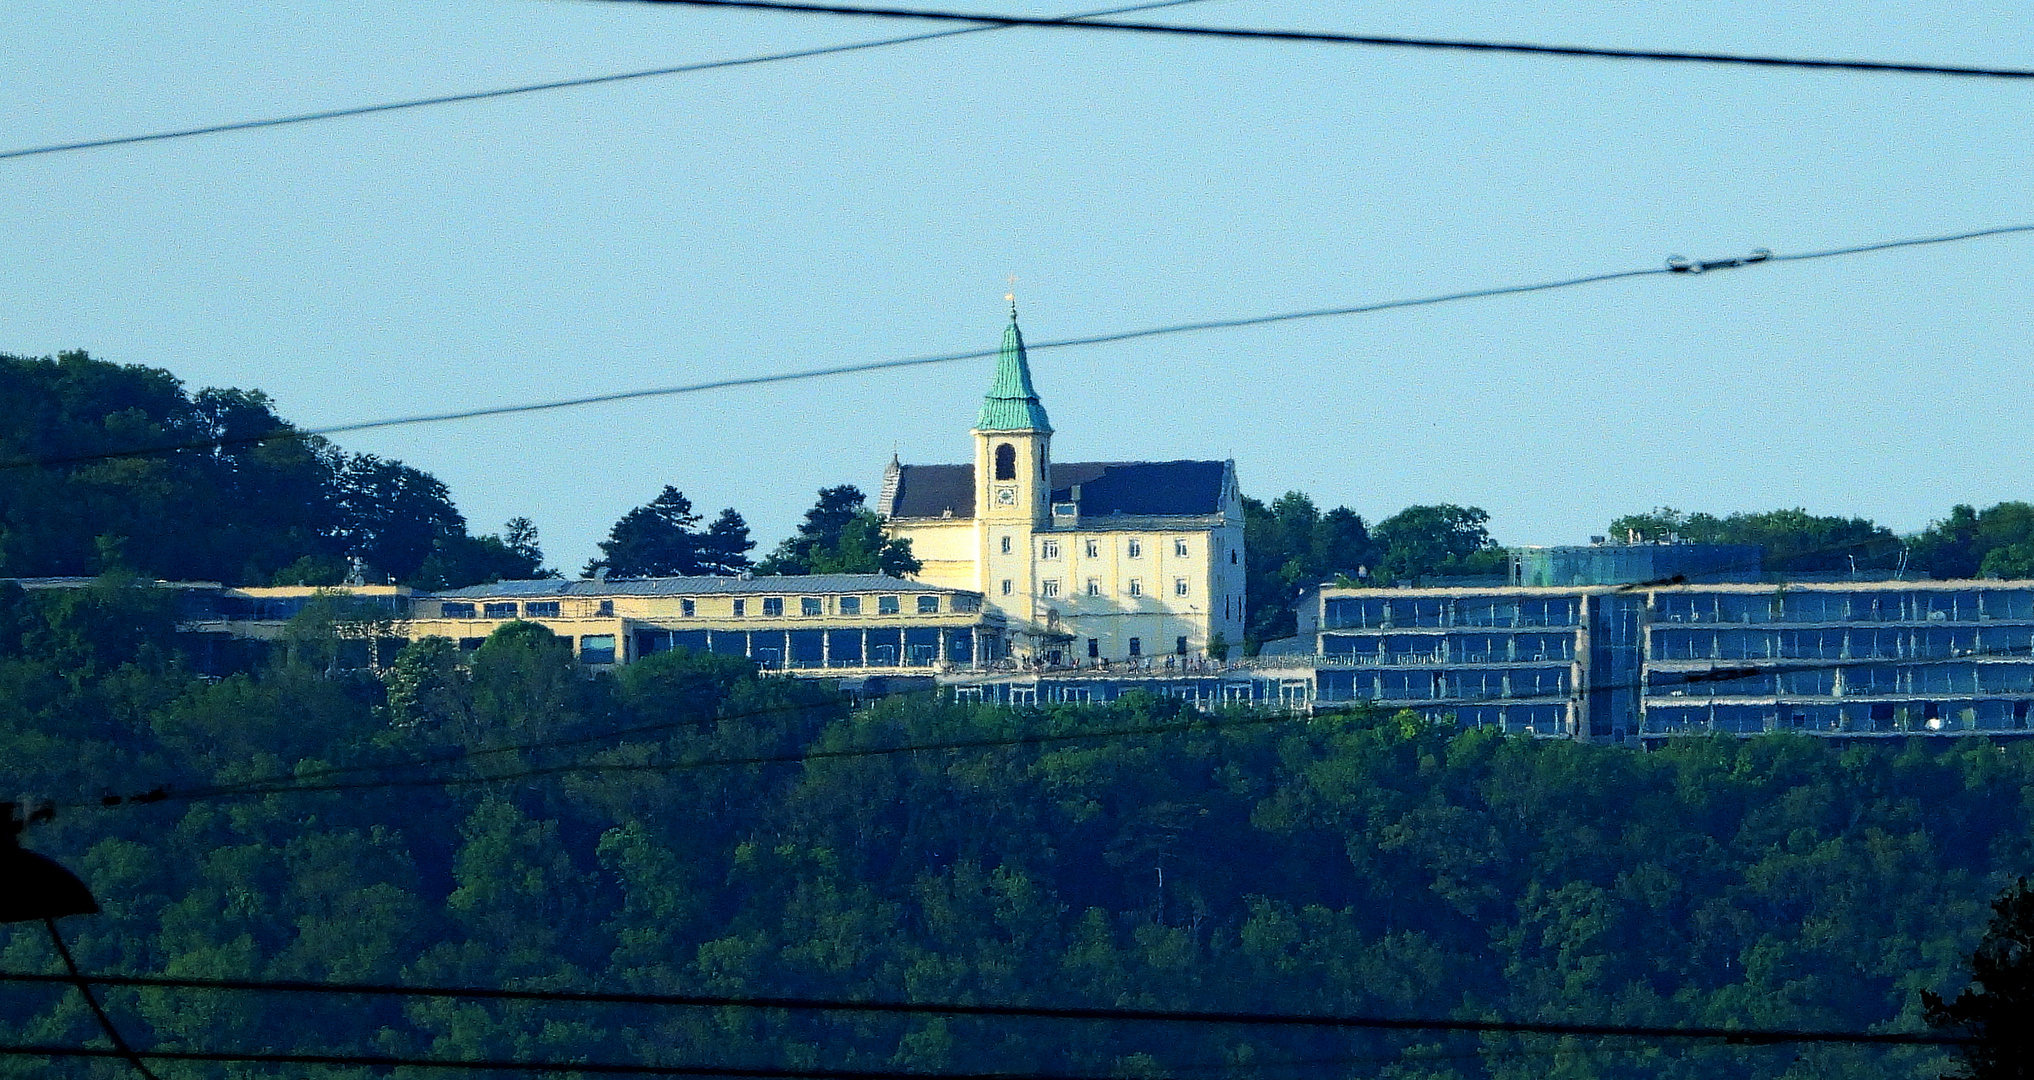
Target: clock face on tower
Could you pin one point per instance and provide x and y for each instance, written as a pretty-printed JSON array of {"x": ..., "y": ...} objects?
[{"x": 1006, "y": 496}]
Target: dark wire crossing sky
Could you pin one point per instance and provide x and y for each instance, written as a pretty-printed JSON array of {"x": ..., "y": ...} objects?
[{"x": 862, "y": 206}]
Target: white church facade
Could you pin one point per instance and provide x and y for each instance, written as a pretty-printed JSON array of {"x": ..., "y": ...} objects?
[{"x": 1086, "y": 561}]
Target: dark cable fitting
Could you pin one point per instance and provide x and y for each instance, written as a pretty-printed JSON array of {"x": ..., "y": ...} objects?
[{"x": 1681, "y": 264}]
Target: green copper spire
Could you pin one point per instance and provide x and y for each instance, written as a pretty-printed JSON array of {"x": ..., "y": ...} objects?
[{"x": 1012, "y": 405}]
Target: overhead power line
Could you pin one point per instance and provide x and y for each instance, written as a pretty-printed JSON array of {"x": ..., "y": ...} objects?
[
  {"x": 1324, "y": 38},
  {"x": 1746, "y": 1036},
  {"x": 598, "y": 1068},
  {"x": 77, "y": 978},
  {"x": 1090, "y": 20},
  {"x": 1674, "y": 265},
  {"x": 532, "y": 88}
]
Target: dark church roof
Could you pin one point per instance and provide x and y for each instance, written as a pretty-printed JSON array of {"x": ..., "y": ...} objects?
[{"x": 1143, "y": 488}]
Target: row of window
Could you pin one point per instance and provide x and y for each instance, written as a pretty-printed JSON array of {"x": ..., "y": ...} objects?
[
  {"x": 1133, "y": 547},
  {"x": 772, "y": 606},
  {"x": 1885, "y": 716},
  {"x": 1134, "y": 587},
  {"x": 593, "y": 648},
  {"x": 1179, "y": 647},
  {"x": 534, "y": 609},
  {"x": 1362, "y": 612},
  {"x": 1864, "y": 606}
]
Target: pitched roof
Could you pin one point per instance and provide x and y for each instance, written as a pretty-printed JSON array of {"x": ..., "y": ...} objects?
[
  {"x": 787, "y": 584},
  {"x": 1012, "y": 404},
  {"x": 1144, "y": 488},
  {"x": 1141, "y": 487}
]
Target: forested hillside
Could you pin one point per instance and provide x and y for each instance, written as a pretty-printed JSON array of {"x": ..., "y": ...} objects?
[
  {"x": 517, "y": 823},
  {"x": 116, "y": 467}
]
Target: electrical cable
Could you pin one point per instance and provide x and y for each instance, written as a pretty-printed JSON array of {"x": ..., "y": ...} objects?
[
  {"x": 84, "y": 985},
  {"x": 1254, "y": 1068},
  {"x": 531, "y": 88},
  {"x": 1745, "y": 1036},
  {"x": 599, "y": 1068},
  {"x": 1323, "y": 38},
  {"x": 1674, "y": 266}
]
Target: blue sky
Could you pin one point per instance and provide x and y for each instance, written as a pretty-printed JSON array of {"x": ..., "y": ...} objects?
[{"x": 872, "y": 205}]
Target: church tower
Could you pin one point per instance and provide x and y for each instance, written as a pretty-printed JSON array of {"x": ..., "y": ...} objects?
[
  {"x": 1013, "y": 471},
  {"x": 1127, "y": 561}
]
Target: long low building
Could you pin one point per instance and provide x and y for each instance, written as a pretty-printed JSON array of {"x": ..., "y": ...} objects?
[
  {"x": 836, "y": 623},
  {"x": 1649, "y": 661}
]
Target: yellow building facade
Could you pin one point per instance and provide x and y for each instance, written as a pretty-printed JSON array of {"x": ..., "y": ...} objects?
[
  {"x": 1086, "y": 561},
  {"x": 821, "y": 624}
]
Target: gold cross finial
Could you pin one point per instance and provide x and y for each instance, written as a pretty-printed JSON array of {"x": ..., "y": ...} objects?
[{"x": 1012, "y": 297}]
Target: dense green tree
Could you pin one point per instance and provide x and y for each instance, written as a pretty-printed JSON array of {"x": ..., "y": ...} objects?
[
  {"x": 841, "y": 535},
  {"x": 1997, "y": 1011},
  {"x": 459, "y": 560},
  {"x": 1995, "y": 542},
  {"x": 133, "y": 473},
  {"x": 525, "y": 683},
  {"x": 1795, "y": 541},
  {"x": 1442, "y": 540},
  {"x": 1289, "y": 546},
  {"x": 392, "y": 516},
  {"x": 658, "y": 540},
  {"x": 724, "y": 547},
  {"x": 121, "y": 458},
  {"x": 427, "y": 685}
]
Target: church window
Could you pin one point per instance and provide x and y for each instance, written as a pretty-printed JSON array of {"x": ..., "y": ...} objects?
[
  {"x": 811, "y": 605},
  {"x": 1136, "y": 548},
  {"x": 1049, "y": 587},
  {"x": 1094, "y": 586},
  {"x": 1179, "y": 586},
  {"x": 1049, "y": 549},
  {"x": 1006, "y": 462},
  {"x": 1179, "y": 547},
  {"x": 850, "y": 605},
  {"x": 886, "y": 605},
  {"x": 1094, "y": 549},
  {"x": 1006, "y": 587},
  {"x": 1136, "y": 587},
  {"x": 928, "y": 605},
  {"x": 1006, "y": 545}
]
